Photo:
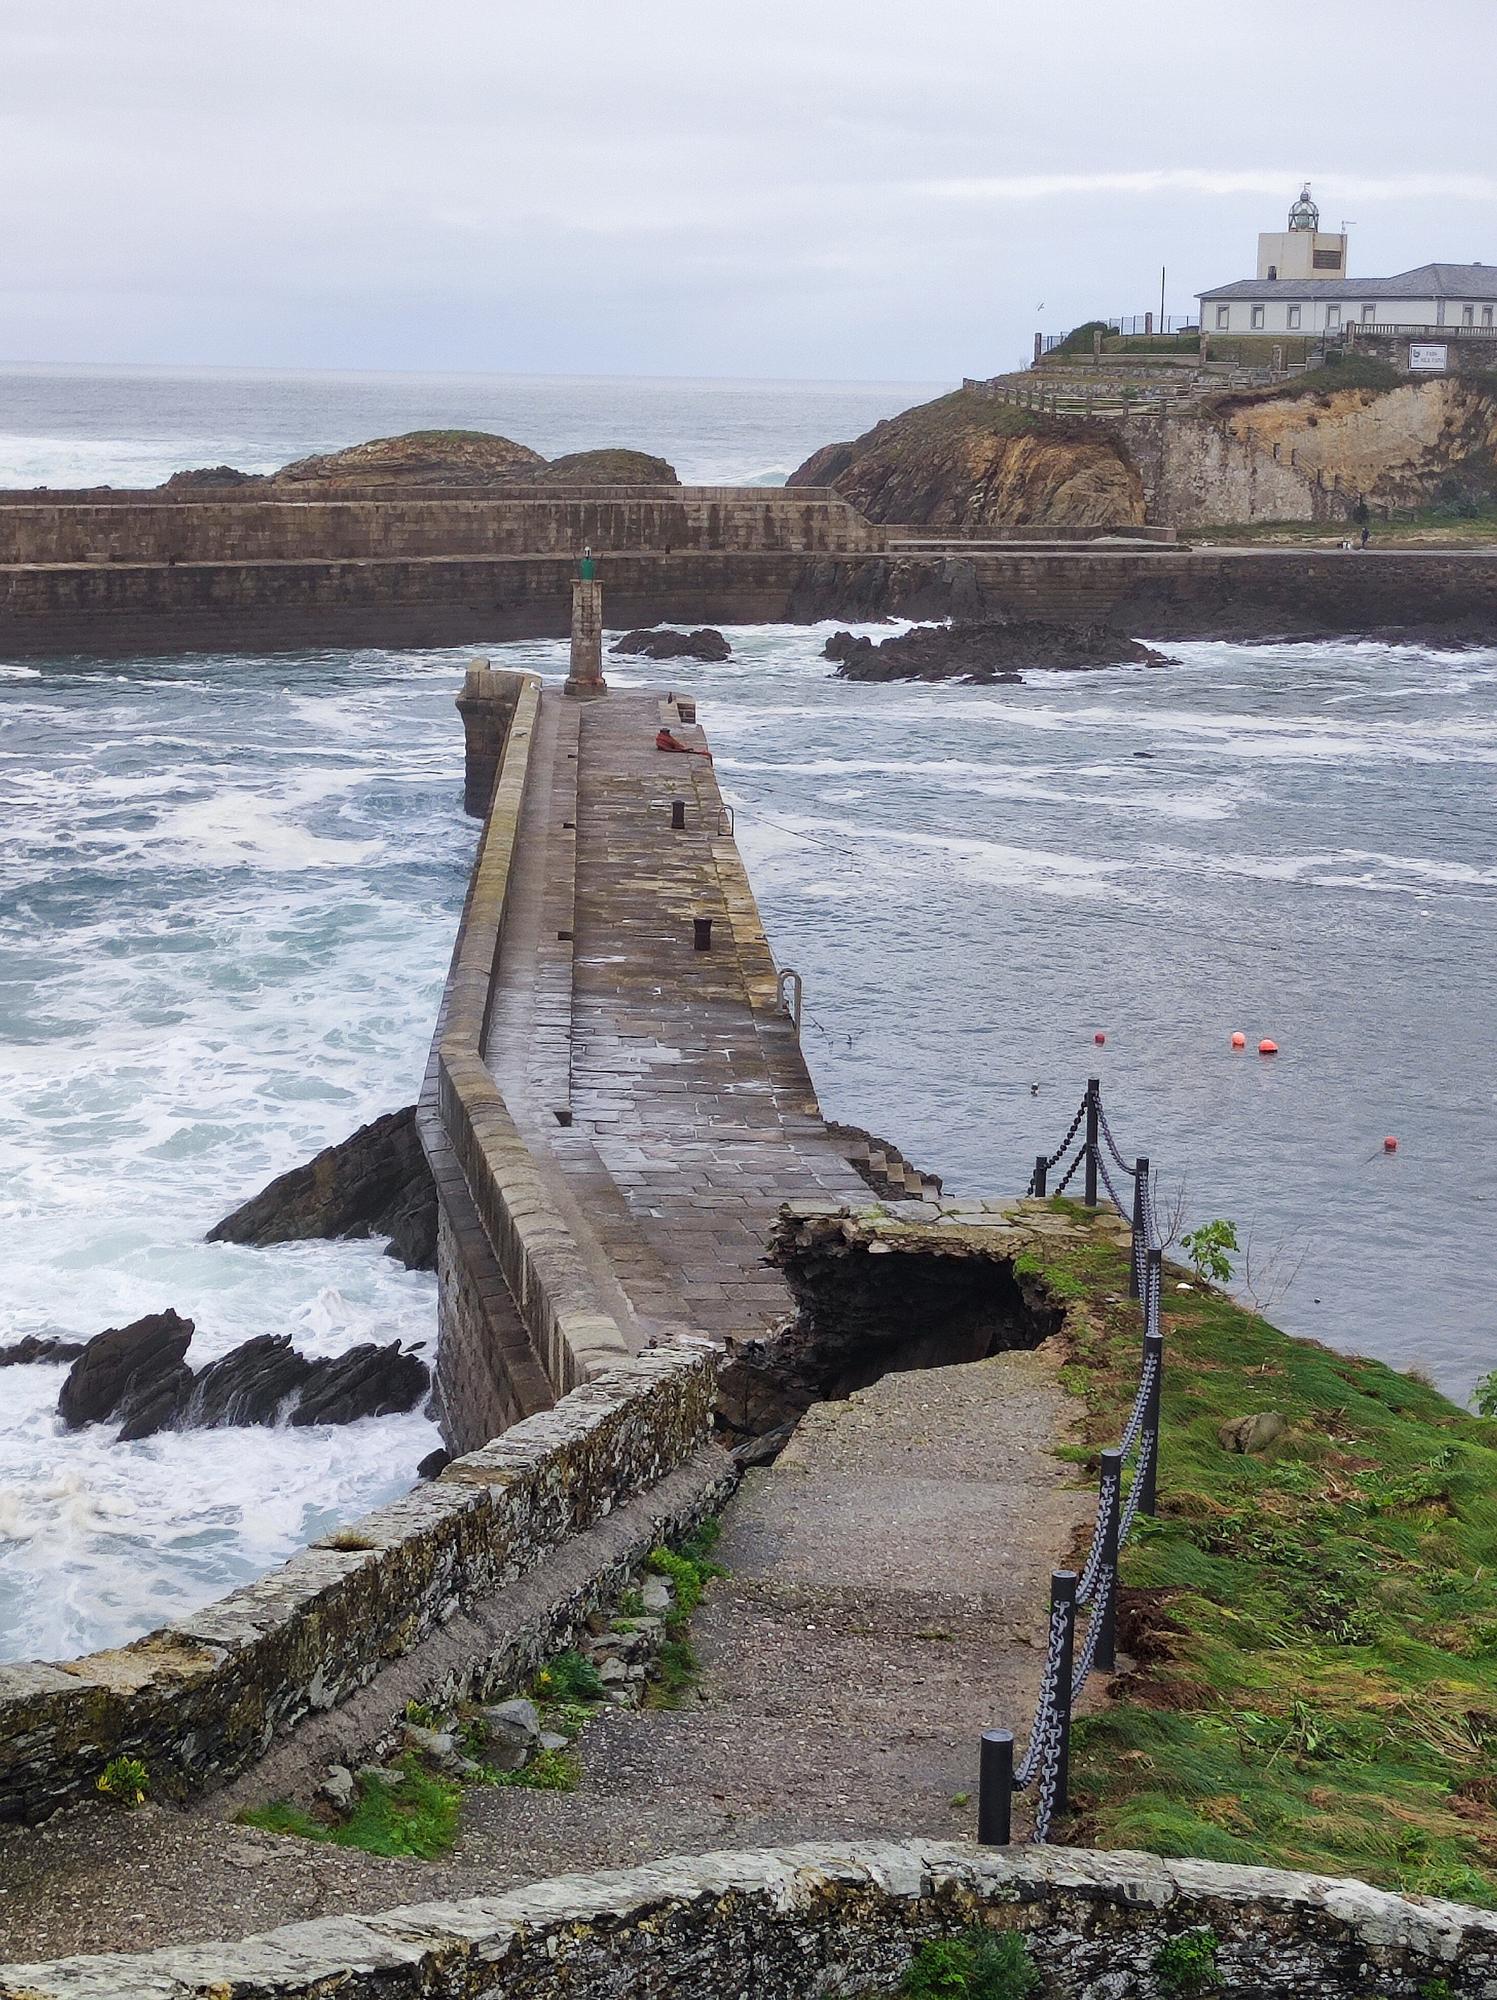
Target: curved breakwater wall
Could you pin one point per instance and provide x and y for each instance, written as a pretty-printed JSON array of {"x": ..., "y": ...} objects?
[
  {"x": 801, "y": 1923},
  {"x": 127, "y": 608}
]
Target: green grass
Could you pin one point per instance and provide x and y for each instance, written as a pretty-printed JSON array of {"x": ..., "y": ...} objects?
[
  {"x": 417, "y": 1819},
  {"x": 1341, "y": 371},
  {"x": 547, "y": 1771},
  {"x": 568, "y": 1678},
  {"x": 1315, "y": 1628}
]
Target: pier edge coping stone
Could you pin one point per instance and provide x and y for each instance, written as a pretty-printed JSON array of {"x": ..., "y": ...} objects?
[{"x": 805, "y": 1921}]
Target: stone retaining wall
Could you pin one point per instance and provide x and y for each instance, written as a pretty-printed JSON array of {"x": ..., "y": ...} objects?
[
  {"x": 343, "y": 529},
  {"x": 203, "y": 1698},
  {"x": 803, "y": 1923},
  {"x": 126, "y": 609}
]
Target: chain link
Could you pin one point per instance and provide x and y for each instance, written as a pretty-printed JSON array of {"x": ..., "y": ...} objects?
[
  {"x": 1059, "y": 1152},
  {"x": 1093, "y": 1567},
  {"x": 1124, "y": 1166},
  {"x": 1070, "y": 1172},
  {"x": 1082, "y": 1672},
  {"x": 1044, "y": 1713}
]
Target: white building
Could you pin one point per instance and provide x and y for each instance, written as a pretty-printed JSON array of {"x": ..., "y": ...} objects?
[{"x": 1293, "y": 292}]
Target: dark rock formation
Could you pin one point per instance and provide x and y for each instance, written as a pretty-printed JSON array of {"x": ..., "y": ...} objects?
[
  {"x": 417, "y": 458},
  {"x": 136, "y": 1375},
  {"x": 211, "y": 477},
  {"x": 971, "y": 463},
  {"x": 376, "y": 1183},
  {"x": 985, "y": 653},
  {"x": 123, "y": 1361},
  {"x": 434, "y": 1464},
  {"x": 38, "y": 1347},
  {"x": 612, "y": 466},
  {"x": 366, "y": 1382},
  {"x": 154, "y": 1403},
  {"x": 248, "y": 1385},
  {"x": 660, "y": 643}
]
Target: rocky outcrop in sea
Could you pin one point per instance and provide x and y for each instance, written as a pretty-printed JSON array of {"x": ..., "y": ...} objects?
[
  {"x": 660, "y": 643},
  {"x": 990, "y": 652},
  {"x": 137, "y": 1376}
]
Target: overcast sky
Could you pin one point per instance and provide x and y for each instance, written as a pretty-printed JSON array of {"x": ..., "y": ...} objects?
[{"x": 886, "y": 189}]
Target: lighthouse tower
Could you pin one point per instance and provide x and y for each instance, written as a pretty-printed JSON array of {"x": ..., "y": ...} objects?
[{"x": 1304, "y": 249}]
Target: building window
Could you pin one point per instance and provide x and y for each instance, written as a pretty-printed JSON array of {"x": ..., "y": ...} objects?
[
  {"x": 1333, "y": 316},
  {"x": 1293, "y": 318},
  {"x": 1326, "y": 260},
  {"x": 1257, "y": 315},
  {"x": 1273, "y": 270},
  {"x": 1369, "y": 314},
  {"x": 1486, "y": 315},
  {"x": 1468, "y": 315},
  {"x": 1223, "y": 318}
]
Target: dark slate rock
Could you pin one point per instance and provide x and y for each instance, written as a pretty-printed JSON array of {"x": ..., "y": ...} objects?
[
  {"x": 40, "y": 1347},
  {"x": 249, "y": 1385},
  {"x": 434, "y": 1464},
  {"x": 376, "y": 1183},
  {"x": 368, "y": 1381},
  {"x": 153, "y": 1405},
  {"x": 663, "y": 644},
  {"x": 989, "y": 652},
  {"x": 121, "y": 1360}
]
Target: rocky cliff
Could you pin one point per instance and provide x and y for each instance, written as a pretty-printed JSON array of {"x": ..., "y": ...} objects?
[
  {"x": 968, "y": 463},
  {"x": 1311, "y": 450}
]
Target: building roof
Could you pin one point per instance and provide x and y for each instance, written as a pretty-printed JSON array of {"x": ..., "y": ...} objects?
[{"x": 1425, "y": 281}]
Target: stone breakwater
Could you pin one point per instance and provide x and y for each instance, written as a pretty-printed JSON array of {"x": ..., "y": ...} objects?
[
  {"x": 200, "y": 1700},
  {"x": 801, "y": 1922}
]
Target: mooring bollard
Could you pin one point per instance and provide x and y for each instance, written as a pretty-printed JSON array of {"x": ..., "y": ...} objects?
[
  {"x": 1140, "y": 1198},
  {"x": 702, "y": 933},
  {"x": 1093, "y": 1107},
  {"x": 1106, "y": 1606},
  {"x": 678, "y": 815},
  {"x": 995, "y": 1789}
]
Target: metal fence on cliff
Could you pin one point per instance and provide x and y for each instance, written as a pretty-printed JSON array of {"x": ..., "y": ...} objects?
[{"x": 1045, "y": 1765}]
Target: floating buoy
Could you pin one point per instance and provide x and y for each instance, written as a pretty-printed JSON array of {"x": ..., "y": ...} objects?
[
  {"x": 1390, "y": 1144},
  {"x": 1239, "y": 1041},
  {"x": 1268, "y": 1048},
  {"x": 1099, "y": 1038}
]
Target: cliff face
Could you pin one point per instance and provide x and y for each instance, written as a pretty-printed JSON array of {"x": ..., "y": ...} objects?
[
  {"x": 968, "y": 463},
  {"x": 1308, "y": 457}
]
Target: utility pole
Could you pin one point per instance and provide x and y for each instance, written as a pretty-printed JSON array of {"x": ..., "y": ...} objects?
[{"x": 1161, "y": 298}]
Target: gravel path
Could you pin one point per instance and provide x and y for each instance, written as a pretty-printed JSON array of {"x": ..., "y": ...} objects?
[{"x": 885, "y": 1603}]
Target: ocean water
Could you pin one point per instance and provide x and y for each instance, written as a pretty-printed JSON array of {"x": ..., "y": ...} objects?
[
  {"x": 229, "y": 888},
  {"x": 136, "y": 426}
]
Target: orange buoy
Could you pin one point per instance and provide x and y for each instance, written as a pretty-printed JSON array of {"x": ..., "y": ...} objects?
[
  {"x": 1239, "y": 1041},
  {"x": 1390, "y": 1144},
  {"x": 1099, "y": 1038},
  {"x": 1268, "y": 1048}
]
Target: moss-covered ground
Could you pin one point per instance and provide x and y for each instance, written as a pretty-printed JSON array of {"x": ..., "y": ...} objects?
[{"x": 1313, "y": 1629}]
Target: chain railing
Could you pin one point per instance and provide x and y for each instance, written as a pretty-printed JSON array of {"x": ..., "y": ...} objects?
[{"x": 1045, "y": 1765}]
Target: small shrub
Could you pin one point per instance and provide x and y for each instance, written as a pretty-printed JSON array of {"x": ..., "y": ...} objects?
[
  {"x": 1207, "y": 1249},
  {"x": 569, "y": 1678},
  {"x": 1185, "y": 1966},
  {"x": 674, "y": 1671},
  {"x": 1484, "y": 1397},
  {"x": 126, "y": 1780},
  {"x": 974, "y": 1967},
  {"x": 415, "y": 1820}
]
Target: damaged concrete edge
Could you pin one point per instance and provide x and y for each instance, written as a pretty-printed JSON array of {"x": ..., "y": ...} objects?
[
  {"x": 796, "y": 1922},
  {"x": 201, "y": 1700}
]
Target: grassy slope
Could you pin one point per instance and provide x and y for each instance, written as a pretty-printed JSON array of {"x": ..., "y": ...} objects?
[{"x": 1315, "y": 1628}]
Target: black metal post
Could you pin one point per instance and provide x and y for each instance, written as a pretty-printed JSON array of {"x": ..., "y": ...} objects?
[
  {"x": 1106, "y": 1606},
  {"x": 1041, "y": 1169},
  {"x": 702, "y": 933},
  {"x": 1063, "y": 1598},
  {"x": 1140, "y": 1185},
  {"x": 1093, "y": 1106},
  {"x": 1148, "y": 1468},
  {"x": 678, "y": 815},
  {"x": 995, "y": 1789}
]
